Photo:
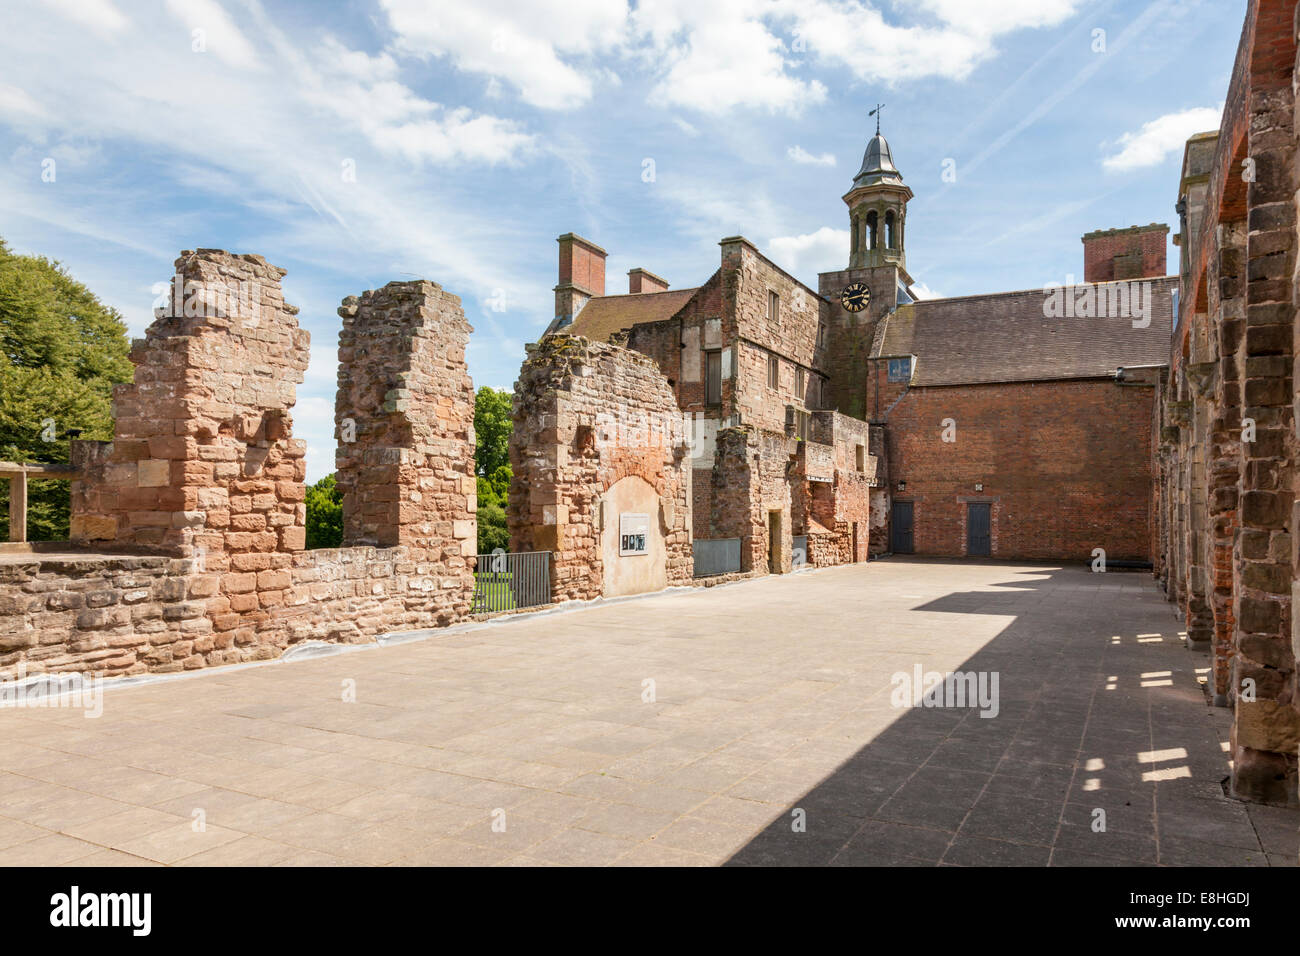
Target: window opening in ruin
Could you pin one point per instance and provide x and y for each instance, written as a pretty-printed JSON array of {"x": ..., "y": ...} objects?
[
  {"x": 861, "y": 454},
  {"x": 773, "y": 371},
  {"x": 800, "y": 382},
  {"x": 713, "y": 378}
]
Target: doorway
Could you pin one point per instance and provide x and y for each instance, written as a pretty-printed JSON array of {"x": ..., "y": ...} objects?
[
  {"x": 774, "y": 542},
  {"x": 900, "y": 528},
  {"x": 979, "y": 537}
]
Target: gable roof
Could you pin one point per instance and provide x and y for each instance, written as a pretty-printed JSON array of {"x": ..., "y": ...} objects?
[
  {"x": 606, "y": 314},
  {"x": 1005, "y": 337}
]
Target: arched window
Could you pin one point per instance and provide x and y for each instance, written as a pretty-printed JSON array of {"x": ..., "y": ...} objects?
[
  {"x": 872, "y": 234},
  {"x": 889, "y": 230}
]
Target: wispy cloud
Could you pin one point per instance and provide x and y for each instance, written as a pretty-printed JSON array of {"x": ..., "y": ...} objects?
[
  {"x": 1162, "y": 136},
  {"x": 801, "y": 155}
]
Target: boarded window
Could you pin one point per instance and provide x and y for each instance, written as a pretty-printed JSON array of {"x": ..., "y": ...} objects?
[
  {"x": 900, "y": 370},
  {"x": 773, "y": 371},
  {"x": 713, "y": 378}
]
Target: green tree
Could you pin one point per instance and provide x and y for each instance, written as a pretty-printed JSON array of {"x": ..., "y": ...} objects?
[
  {"x": 324, "y": 514},
  {"x": 61, "y": 352},
  {"x": 492, "y": 426}
]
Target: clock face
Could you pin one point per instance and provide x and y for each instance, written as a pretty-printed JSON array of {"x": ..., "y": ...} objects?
[{"x": 855, "y": 297}]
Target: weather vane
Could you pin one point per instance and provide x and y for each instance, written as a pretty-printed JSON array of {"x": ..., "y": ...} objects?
[{"x": 876, "y": 114}]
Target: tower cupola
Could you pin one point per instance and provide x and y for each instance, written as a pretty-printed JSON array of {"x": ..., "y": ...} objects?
[{"x": 877, "y": 205}]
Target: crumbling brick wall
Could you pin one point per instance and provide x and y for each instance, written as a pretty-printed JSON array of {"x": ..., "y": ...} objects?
[
  {"x": 586, "y": 416},
  {"x": 1227, "y": 425},
  {"x": 203, "y": 460},
  {"x": 405, "y": 414},
  {"x": 119, "y": 615},
  {"x": 204, "y": 473}
]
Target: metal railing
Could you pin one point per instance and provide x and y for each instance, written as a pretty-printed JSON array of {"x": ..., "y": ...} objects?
[{"x": 505, "y": 582}]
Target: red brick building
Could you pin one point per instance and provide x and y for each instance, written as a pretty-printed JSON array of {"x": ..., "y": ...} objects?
[{"x": 853, "y": 419}]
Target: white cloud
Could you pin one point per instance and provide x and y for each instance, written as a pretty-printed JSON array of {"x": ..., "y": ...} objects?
[
  {"x": 219, "y": 35},
  {"x": 825, "y": 250},
  {"x": 16, "y": 104},
  {"x": 539, "y": 48},
  {"x": 922, "y": 291},
  {"x": 720, "y": 56},
  {"x": 801, "y": 155},
  {"x": 1160, "y": 137},
  {"x": 856, "y": 36},
  {"x": 100, "y": 15}
]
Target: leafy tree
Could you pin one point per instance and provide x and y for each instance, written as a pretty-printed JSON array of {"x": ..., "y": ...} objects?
[
  {"x": 492, "y": 426},
  {"x": 61, "y": 352},
  {"x": 324, "y": 514}
]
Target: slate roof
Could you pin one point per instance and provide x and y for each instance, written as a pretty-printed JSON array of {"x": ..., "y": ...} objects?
[
  {"x": 606, "y": 314},
  {"x": 1005, "y": 337}
]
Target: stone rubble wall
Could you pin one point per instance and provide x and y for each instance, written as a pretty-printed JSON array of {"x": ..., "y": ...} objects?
[
  {"x": 195, "y": 510},
  {"x": 587, "y": 415},
  {"x": 1227, "y": 504}
]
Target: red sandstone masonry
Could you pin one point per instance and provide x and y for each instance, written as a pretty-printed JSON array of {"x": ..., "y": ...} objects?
[
  {"x": 588, "y": 415},
  {"x": 214, "y": 389}
]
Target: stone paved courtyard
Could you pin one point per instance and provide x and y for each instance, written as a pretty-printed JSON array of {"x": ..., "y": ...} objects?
[{"x": 769, "y": 696}]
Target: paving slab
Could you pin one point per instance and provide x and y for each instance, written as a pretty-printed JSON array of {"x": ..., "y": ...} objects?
[{"x": 768, "y": 722}]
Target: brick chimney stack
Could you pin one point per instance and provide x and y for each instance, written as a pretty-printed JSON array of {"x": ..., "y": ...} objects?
[
  {"x": 1138, "y": 252},
  {"x": 582, "y": 277},
  {"x": 642, "y": 280}
]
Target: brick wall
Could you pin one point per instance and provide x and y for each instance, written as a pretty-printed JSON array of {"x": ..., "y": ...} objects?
[
  {"x": 1065, "y": 465},
  {"x": 1137, "y": 252}
]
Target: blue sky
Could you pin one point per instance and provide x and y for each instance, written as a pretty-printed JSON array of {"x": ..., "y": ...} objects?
[{"x": 480, "y": 132}]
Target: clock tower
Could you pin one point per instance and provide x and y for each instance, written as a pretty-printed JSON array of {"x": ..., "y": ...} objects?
[
  {"x": 876, "y": 280},
  {"x": 877, "y": 205}
]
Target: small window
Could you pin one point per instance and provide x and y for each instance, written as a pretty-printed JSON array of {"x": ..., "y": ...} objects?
[
  {"x": 799, "y": 383},
  {"x": 801, "y": 424},
  {"x": 713, "y": 378},
  {"x": 773, "y": 307},
  {"x": 773, "y": 372},
  {"x": 861, "y": 453},
  {"x": 821, "y": 335},
  {"x": 900, "y": 370}
]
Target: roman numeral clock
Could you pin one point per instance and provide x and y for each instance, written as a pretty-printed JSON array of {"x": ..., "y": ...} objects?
[{"x": 855, "y": 297}]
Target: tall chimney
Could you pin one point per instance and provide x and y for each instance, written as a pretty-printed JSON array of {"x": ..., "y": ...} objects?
[
  {"x": 582, "y": 277},
  {"x": 1138, "y": 252},
  {"x": 642, "y": 280}
]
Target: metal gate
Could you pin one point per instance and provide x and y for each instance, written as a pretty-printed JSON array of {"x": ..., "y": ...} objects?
[
  {"x": 979, "y": 536},
  {"x": 505, "y": 582},
  {"x": 900, "y": 528}
]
